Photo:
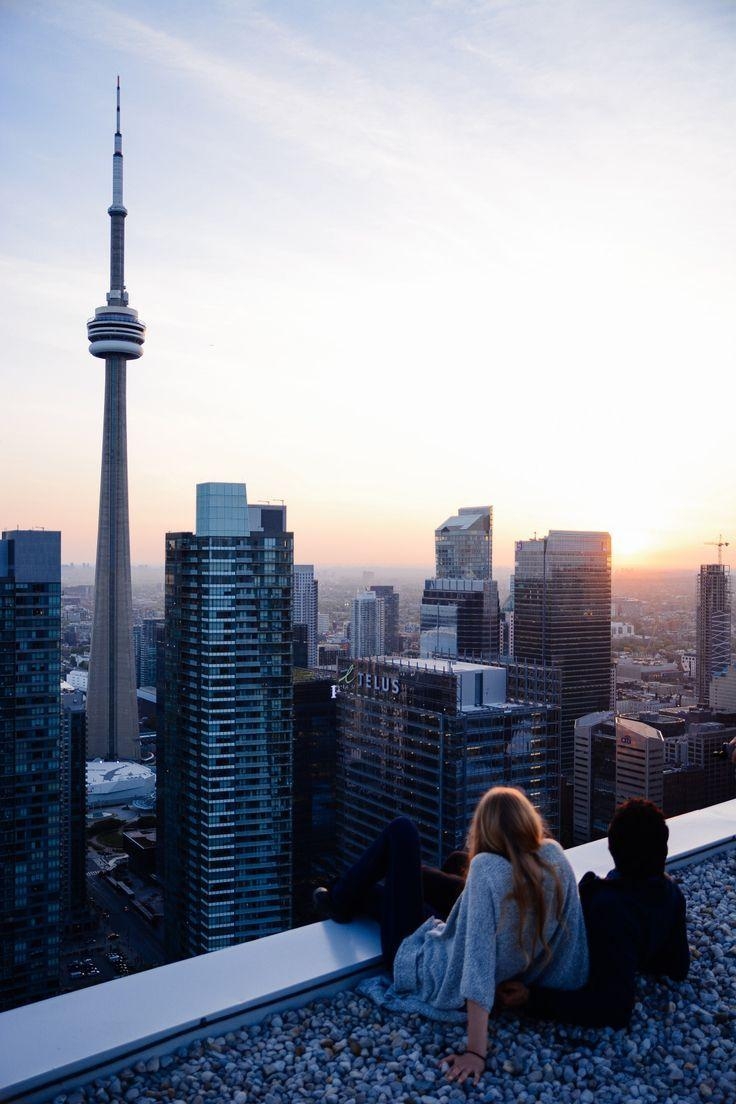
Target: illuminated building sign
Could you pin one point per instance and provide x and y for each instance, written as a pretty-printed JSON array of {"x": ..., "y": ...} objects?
[{"x": 384, "y": 684}]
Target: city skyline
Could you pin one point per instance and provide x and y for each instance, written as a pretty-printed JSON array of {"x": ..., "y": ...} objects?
[{"x": 419, "y": 204}]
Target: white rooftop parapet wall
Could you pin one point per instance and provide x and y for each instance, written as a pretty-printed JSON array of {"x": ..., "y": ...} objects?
[{"x": 71, "y": 1039}]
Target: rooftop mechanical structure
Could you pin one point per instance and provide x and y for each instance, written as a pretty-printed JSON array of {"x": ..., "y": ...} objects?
[{"x": 116, "y": 335}]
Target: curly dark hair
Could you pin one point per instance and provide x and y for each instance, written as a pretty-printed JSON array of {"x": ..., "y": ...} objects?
[{"x": 637, "y": 839}]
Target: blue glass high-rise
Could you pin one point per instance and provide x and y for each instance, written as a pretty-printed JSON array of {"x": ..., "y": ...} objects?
[
  {"x": 32, "y": 806},
  {"x": 225, "y": 759}
]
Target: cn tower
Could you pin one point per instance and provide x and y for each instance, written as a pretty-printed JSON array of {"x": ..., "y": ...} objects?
[{"x": 116, "y": 336}]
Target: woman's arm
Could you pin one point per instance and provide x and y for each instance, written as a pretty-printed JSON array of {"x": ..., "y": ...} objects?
[
  {"x": 472, "y": 1062},
  {"x": 477, "y": 1028}
]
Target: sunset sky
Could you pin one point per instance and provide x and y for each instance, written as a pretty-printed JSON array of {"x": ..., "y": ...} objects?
[{"x": 394, "y": 258}]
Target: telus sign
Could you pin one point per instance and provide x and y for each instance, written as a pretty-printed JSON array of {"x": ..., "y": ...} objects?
[{"x": 384, "y": 683}]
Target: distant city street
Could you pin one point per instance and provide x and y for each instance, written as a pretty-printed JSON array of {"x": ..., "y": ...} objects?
[{"x": 142, "y": 944}]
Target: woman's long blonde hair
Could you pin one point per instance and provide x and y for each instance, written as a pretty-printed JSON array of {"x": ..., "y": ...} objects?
[{"x": 506, "y": 823}]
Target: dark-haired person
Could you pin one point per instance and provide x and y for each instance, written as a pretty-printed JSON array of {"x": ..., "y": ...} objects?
[{"x": 635, "y": 922}]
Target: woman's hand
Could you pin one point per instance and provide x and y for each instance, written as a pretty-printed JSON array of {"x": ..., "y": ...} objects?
[{"x": 464, "y": 1065}]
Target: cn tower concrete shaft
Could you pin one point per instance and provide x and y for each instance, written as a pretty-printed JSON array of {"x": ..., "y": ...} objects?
[{"x": 116, "y": 335}]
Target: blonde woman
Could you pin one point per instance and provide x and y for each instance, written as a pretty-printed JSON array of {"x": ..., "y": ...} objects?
[{"x": 516, "y": 915}]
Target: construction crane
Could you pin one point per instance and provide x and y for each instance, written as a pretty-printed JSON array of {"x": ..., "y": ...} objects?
[{"x": 719, "y": 544}]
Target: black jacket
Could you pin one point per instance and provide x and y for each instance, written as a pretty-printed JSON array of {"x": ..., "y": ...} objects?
[{"x": 633, "y": 926}]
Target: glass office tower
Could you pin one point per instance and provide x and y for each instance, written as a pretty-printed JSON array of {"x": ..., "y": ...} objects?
[
  {"x": 562, "y": 618},
  {"x": 464, "y": 544},
  {"x": 32, "y": 808},
  {"x": 459, "y": 617},
  {"x": 459, "y": 614},
  {"x": 225, "y": 760}
]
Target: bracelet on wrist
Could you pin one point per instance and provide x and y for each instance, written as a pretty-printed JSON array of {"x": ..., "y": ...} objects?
[{"x": 476, "y": 1054}]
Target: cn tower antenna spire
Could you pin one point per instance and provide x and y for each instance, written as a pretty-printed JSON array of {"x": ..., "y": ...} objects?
[{"x": 117, "y": 213}]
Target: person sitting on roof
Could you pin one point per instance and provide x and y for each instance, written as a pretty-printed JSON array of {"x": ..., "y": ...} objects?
[
  {"x": 515, "y": 914},
  {"x": 635, "y": 922}
]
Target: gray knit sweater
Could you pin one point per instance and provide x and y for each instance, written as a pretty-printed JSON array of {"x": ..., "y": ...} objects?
[{"x": 442, "y": 965}]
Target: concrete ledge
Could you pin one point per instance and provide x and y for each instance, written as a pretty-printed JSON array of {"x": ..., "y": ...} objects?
[
  {"x": 71, "y": 1039},
  {"x": 693, "y": 837},
  {"x": 67, "y": 1040}
]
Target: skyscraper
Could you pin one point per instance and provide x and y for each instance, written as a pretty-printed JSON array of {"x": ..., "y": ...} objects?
[
  {"x": 367, "y": 625},
  {"x": 31, "y": 800},
  {"x": 506, "y": 624},
  {"x": 225, "y": 762},
  {"x": 116, "y": 335},
  {"x": 146, "y": 639},
  {"x": 315, "y": 740},
  {"x": 464, "y": 544},
  {"x": 713, "y": 627},
  {"x": 74, "y": 804},
  {"x": 459, "y": 614},
  {"x": 390, "y": 599},
  {"x": 305, "y": 602},
  {"x": 562, "y": 618}
]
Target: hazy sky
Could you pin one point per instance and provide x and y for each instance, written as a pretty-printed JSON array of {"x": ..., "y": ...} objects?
[{"x": 394, "y": 258}]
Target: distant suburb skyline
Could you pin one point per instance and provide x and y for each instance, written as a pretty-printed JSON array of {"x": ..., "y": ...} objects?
[{"x": 394, "y": 259}]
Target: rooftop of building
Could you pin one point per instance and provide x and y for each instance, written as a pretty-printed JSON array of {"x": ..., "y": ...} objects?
[
  {"x": 309, "y": 674},
  {"x": 101, "y": 771},
  {"x": 433, "y": 663},
  {"x": 282, "y": 1020},
  {"x": 466, "y": 518}
]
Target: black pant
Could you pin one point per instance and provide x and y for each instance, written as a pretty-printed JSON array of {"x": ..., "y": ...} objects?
[{"x": 410, "y": 892}]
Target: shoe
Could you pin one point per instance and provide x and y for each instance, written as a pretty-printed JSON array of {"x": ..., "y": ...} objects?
[{"x": 322, "y": 905}]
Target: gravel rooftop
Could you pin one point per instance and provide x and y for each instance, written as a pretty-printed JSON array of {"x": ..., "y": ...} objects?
[{"x": 681, "y": 1046}]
